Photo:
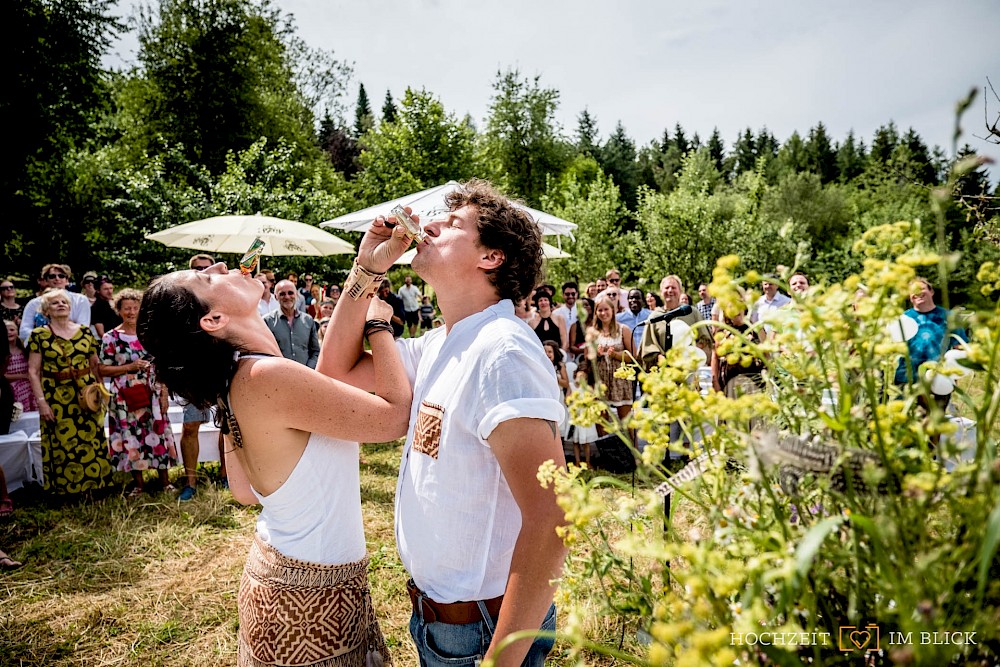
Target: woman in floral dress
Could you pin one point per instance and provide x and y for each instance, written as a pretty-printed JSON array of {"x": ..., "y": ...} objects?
[
  {"x": 62, "y": 360},
  {"x": 140, "y": 436},
  {"x": 16, "y": 369}
]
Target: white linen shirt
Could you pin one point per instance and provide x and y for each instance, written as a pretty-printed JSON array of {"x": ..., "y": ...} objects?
[{"x": 456, "y": 519}]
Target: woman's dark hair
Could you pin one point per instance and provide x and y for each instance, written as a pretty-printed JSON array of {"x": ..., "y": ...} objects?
[
  {"x": 504, "y": 227},
  {"x": 194, "y": 365},
  {"x": 558, "y": 354},
  {"x": 656, "y": 299},
  {"x": 593, "y": 311}
]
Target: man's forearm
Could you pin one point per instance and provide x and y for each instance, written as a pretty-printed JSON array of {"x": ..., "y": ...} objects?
[{"x": 536, "y": 563}]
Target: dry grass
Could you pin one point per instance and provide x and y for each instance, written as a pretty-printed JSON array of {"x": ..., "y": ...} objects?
[{"x": 153, "y": 582}]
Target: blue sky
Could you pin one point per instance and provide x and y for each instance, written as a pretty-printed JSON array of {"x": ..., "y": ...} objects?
[{"x": 784, "y": 64}]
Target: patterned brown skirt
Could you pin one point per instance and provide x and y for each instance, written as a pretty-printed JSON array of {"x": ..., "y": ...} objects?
[{"x": 302, "y": 614}]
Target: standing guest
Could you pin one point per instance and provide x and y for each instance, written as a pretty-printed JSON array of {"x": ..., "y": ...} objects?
[
  {"x": 62, "y": 359},
  {"x": 294, "y": 331},
  {"x": 315, "y": 299},
  {"x": 635, "y": 316},
  {"x": 386, "y": 294},
  {"x": 326, "y": 309},
  {"x": 293, "y": 446},
  {"x": 723, "y": 372},
  {"x": 410, "y": 295},
  {"x": 16, "y": 369},
  {"x": 476, "y": 530},
  {"x": 333, "y": 294},
  {"x": 933, "y": 336},
  {"x": 591, "y": 290},
  {"x": 426, "y": 314},
  {"x": 570, "y": 293},
  {"x": 578, "y": 332},
  {"x": 653, "y": 301},
  {"x": 615, "y": 282},
  {"x": 10, "y": 309},
  {"x": 300, "y": 300},
  {"x": 550, "y": 326},
  {"x": 614, "y": 345},
  {"x": 685, "y": 299},
  {"x": 53, "y": 276},
  {"x": 655, "y": 335},
  {"x": 602, "y": 284},
  {"x": 321, "y": 327},
  {"x": 194, "y": 417},
  {"x": 798, "y": 283},
  {"x": 555, "y": 355},
  {"x": 306, "y": 289},
  {"x": 88, "y": 287},
  {"x": 705, "y": 302},
  {"x": 770, "y": 301},
  {"x": 102, "y": 313},
  {"x": 267, "y": 303},
  {"x": 140, "y": 438}
]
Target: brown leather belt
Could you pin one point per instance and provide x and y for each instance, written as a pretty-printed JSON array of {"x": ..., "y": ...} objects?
[
  {"x": 70, "y": 374},
  {"x": 453, "y": 613}
]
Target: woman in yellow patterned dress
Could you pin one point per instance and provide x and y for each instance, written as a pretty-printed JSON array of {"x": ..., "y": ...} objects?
[{"x": 62, "y": 359}]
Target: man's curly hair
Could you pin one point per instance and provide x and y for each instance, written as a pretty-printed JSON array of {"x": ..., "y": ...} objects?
[{"x": 505, "y": 227}]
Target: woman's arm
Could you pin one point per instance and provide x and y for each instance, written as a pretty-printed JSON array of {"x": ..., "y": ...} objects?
[
  {"x": 239, "y": 483},
  {"x": 562, "y": 378},
  {"x": 109, "y": 371},
  {"x": 35, "y": 378},
  {"x": 629, "y": 351},
  {"x": 563, "y": 333},
  {"x": 573, "y": 347}
]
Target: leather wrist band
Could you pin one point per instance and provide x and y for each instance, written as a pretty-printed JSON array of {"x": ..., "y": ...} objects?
[
  {"x": 374, "y": 326},
  {"x": 362, "y": 282}
]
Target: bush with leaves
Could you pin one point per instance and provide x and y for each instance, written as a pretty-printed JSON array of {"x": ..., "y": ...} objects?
[{"x": 835, "y": 509}]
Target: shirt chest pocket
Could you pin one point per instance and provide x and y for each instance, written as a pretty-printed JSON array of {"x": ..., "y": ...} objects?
[{"x": 427, "y": 432}]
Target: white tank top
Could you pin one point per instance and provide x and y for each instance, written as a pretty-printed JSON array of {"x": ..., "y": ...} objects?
[{"x": 315, "y": 515}]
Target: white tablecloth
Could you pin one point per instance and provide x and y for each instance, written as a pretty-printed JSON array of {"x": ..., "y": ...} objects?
[
  {"x": 27, "y": 423},
  {"x": 21, "y": 459}
]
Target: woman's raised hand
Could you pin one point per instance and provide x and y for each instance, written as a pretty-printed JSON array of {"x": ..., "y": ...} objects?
[{"x": 379, "y": 310}]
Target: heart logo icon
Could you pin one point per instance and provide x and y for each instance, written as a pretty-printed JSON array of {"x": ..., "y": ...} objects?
[{"x": 861, "y": 638}]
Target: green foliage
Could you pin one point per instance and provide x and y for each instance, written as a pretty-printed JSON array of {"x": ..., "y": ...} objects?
[
  {"x": 364, "y": 119},
  {"x": 617, "y": 158},
  {"x": 591, "y": 199},
  {"x": 261, "y": 179},
  {"x": 55, "y": 93},
  {"x": 424, "y": 147},
  {"x": 523, "y": 146},
  {"x": 217, "y": 77},
  {"x": 389, "y": 112}
]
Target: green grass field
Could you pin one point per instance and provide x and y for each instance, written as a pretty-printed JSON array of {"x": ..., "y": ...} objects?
[{"x": 152, "y": 582}]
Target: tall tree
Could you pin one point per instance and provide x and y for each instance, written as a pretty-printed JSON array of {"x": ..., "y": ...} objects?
[
  {"x": 792, "y": 157},
  {"x": 586, "y": 134},
  {"x": 364, "y": 119},
  {"x": 883, "y": 144},
  {"x": 717, "y": 149},
  {"x": 821, "y": 159},
  {"x": 340, "y": 148},
  {"x": 523, "y": 143},
  {"x": 850, "y": 158},
  {"x": 743, "y": 157},
  {"x": 388, "y": 108},
  {"x": 618, "y": 160},
  {"x": 425, "y": 146},
  {"x": 54, "y": 92},
  {"x": 217, "y": 77},
  {"x": 680, "y": 140},
  {"x": 912, "y": 157}
]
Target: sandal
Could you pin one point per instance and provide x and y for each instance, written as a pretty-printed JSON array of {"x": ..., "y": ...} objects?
[
  {"x": 136, "y": 492},
  {"x": 6, "y": 507},
  {"x": 169, "y": 488}
]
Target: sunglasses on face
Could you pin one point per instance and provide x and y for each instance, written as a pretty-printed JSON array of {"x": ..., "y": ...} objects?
[
  {"x": 6, "y": 287},
  {"x": 55, "y": 276},
  {"x": 286, "y": 293},
  {"x": 614, "y": 280}
]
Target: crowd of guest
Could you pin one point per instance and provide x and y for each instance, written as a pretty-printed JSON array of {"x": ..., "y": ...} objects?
[{"x": 63, "y": 340}]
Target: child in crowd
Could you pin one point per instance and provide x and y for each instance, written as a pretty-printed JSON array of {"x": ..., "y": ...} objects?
[{"x": 426, "y": 313}]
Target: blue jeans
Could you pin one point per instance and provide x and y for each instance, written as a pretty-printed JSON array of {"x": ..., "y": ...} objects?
[{"x": 444, "y": 645}]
